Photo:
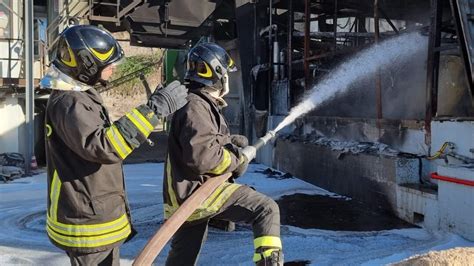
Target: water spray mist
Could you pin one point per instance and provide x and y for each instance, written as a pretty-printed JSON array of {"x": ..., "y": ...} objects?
[{"x": 396, "y": 50}]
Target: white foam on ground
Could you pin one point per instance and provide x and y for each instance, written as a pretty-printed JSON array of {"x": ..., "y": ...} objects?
[{"x": 23, "y": 240}]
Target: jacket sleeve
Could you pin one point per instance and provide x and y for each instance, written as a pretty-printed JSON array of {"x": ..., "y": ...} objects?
[
  {"x": 88, "y": 135},
  {"x": 203, "y": 150}
]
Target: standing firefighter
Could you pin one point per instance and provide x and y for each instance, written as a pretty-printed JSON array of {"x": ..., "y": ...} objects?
[
  {"x": 200, "y": 147},
  {"x": 88, "y": 214}
]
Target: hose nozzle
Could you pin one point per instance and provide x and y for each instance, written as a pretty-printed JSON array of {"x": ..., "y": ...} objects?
[{"x": 251, "y": 151}]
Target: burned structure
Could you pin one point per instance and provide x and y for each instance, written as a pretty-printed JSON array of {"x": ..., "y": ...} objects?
[{"x": 400, "y": 139}]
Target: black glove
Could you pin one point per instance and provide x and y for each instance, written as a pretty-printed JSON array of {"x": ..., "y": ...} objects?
[
  {"x": 242, "y": 168},
  {"x": 165, "y": 101},
  {"x": 239, "y": 141}
]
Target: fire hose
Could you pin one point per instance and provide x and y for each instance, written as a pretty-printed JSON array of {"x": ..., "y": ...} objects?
[{"x": 170, "y": 226}]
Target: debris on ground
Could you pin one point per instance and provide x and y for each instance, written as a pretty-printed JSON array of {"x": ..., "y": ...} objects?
[
  {"x": 9, "y": 173},
  {"x": 271, "y": 173},
  {"x": 343, "y": 147},
  {"x": 11, "y": 166}
]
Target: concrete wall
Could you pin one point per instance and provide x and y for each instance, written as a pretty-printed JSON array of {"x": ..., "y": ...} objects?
[
  {"x": 418, "y": 206},
  {"x": 370, "y": 178},
  {"x": 11, "y": 119},
  {"x": 451, "y": 208}
]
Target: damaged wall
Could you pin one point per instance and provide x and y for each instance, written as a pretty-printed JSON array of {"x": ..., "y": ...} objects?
[
  {"x": 369, "y": 177},
  {"x": 403, "y": 135}
]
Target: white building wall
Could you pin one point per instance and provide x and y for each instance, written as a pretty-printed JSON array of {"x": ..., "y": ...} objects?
[
  {"x": 11, "y": 119},
  {"x": 456, "y": 201},
  {"x": 461, "y": 133}
]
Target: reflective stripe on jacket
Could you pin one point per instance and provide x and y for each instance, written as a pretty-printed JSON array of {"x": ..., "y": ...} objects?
[
  {"x": 196, "y": 152},
  {"x": 87, "y": 205}
]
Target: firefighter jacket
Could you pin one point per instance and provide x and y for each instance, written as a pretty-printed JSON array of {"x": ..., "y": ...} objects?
[
  {"x": 87, "y": 205},
  {"x": 197, "y": 152}
]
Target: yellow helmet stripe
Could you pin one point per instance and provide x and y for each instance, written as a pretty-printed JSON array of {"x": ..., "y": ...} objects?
[
  {"x": 103, "y": 56},
  {"x": 208, "y": 73},
  {"x": 72, "y": 61}
]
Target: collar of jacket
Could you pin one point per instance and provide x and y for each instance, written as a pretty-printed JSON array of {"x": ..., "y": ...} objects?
[
  {"x": 94, "y": 95},
  {"x": 208, "y": 98},
  {"x": 57, "y": 80},
  {"x": 218, "y": 102}
]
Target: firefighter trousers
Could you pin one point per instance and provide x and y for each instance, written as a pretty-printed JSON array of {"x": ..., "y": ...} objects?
[
  {"x": 244, "y": 206},
  {"x": 104, "y": 258}
]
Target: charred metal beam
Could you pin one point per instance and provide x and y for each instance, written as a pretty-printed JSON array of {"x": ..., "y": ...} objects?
[
  {"x": 291, "y": 19},
  {"x": 433, "y": 67},
  {"x": 307, "y": 24},
  {"x": 388, "y": 20},
  {"x": 334, "y": 22},
  {"x": 360, "y": 29},
  {"x": 270, "y": 55}
]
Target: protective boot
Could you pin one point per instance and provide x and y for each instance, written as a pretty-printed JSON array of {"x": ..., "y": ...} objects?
[{"x": 270, "y": 257}]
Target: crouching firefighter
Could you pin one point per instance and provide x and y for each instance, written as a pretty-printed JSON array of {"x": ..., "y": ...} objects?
[
  {"x": 88, "y": 214},
  {"x": 201, "y": 147}
]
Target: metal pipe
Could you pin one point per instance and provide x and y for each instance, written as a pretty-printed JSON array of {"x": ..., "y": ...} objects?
[
  {"x": 276, "y": 60},
  {"x": 282, "y": 64},
  {"x": 9, "y": 59},
  {"x": 29, "y": 88},
  {"x": 268, "y": 29},
  {"x": 378, "y": 79},
  {"x": 321, "y": 34},
  {"x": 452, "y": 179}
]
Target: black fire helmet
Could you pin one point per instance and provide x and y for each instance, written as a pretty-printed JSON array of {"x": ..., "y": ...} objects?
[{"x": 83, "y": 51}]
